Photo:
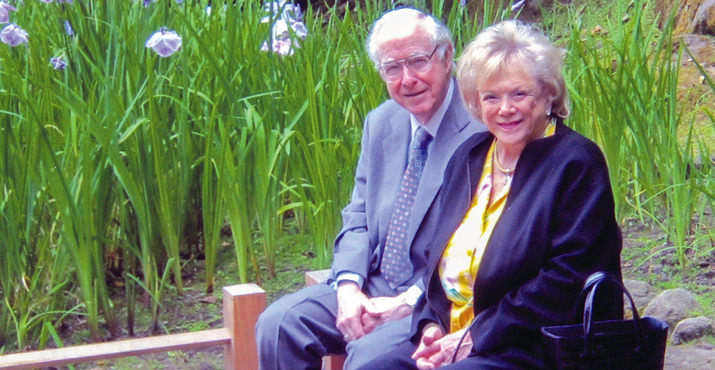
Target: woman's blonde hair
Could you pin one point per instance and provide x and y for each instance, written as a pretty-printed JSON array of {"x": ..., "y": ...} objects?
[{"x": 508, "y": 44}]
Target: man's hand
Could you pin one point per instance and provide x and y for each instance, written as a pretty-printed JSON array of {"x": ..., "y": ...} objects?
[
  {"x": 436, "y": 349},
  {"x": 384, "y": 309},
  {"x": 352, "y": 304}
]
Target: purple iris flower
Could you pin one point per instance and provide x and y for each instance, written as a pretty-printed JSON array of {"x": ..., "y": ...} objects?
[
  {"x": 5, "y": 12},
  {"x": 58, "y": 63},
  {"x": 13, "y": 35},
  {"x": 288, "y": 17},
  {"x": 164, "y": 42}
]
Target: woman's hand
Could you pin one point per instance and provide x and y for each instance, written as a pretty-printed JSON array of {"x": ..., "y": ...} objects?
[
  {"x": 437, "y": 349},
  {"x": 359, "y": 315},
  {"x": 384, "y": 309},
  {"x": 428, "y": 353}
]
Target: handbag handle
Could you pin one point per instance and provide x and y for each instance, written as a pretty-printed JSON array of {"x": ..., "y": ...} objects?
[{"x": 590, "y": 286}]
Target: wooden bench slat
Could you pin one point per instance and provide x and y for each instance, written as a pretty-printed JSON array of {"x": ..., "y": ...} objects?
[
  {"x": 121, "y": 348},
  {"x": 316, "y": 276}
]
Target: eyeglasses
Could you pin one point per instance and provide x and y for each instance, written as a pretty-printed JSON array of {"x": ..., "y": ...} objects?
[{"x": 418, "y": 63}]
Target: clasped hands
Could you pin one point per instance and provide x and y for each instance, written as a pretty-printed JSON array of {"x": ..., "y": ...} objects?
[
  {"x": 359, "y": 315},
  {"x": 436, "y": 348}
]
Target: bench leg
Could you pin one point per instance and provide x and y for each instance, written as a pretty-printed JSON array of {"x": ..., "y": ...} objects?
[
  {"x": 242, "y": 304},
  {"x": 333, "y": 362}
]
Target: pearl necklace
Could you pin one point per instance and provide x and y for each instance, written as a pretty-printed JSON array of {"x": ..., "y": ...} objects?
[{"x": 507, "y": 172}]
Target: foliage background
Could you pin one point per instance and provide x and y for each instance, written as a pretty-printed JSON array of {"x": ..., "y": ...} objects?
[{"x": 121, "y": 173}]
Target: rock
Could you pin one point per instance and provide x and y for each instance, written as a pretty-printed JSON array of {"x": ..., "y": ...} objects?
[
  {"x": 704, "y": 20},
  {"x": 692, "y": 328},
  {"x": 641, "y": 292},
  {"x": 690, "y": 357},
  {"x": 701, "y": 47},
  {"x": 672, "y": 306},
  {"x": 685, "y": 14}
]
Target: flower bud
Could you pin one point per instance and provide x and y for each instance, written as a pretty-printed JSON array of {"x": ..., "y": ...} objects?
[
  {"x": 58, "y": 63},
  {"x": 164, "y": 42}
]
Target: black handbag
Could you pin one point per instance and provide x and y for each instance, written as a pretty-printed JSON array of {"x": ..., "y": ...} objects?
[{"x": 616, "y": 344}]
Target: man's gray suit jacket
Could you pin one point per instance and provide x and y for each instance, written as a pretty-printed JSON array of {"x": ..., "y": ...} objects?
[{"x": 383, "y": 159}]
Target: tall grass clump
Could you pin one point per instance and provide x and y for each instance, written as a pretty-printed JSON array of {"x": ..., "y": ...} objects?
[
  {"x": 623, "y": 79},
  {"x": 124, "y": 165},
  {"x": 704, "y": 168},
  {"x": 333, "y": 99}
]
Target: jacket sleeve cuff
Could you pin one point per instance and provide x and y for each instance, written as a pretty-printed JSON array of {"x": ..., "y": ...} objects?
[
  {"x": 412, "y": 295},
  {"x": 348, "y": 276}
]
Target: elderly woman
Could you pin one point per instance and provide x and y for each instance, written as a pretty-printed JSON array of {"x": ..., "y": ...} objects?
[{"x": 536, "y": 216}]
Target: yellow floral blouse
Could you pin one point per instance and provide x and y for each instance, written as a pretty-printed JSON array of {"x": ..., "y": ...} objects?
[{"x": 460, "y": 260}]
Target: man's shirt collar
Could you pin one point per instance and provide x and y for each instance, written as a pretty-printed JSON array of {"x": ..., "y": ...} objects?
[{"x": 432, "y": 126}]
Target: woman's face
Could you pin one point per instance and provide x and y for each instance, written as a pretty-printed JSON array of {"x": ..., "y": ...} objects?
[{"x": 513, "y": 107}]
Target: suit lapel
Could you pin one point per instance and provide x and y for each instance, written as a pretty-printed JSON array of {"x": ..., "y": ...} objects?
[
  {"x": 394, "y": 152},
  {"x": 446, "y": 141}
]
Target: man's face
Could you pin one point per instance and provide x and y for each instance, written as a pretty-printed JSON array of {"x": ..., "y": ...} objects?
[{"x": 421, "y": 93}]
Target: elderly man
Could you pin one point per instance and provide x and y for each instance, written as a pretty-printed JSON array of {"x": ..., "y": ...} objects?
[{"x": 381, "y": 252}]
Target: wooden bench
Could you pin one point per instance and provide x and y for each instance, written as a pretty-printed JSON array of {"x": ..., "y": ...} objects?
[{"x": 242, "y": 304}]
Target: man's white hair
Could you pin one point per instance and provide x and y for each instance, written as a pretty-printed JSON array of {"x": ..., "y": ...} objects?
[{"x": 402, "y": 23}]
